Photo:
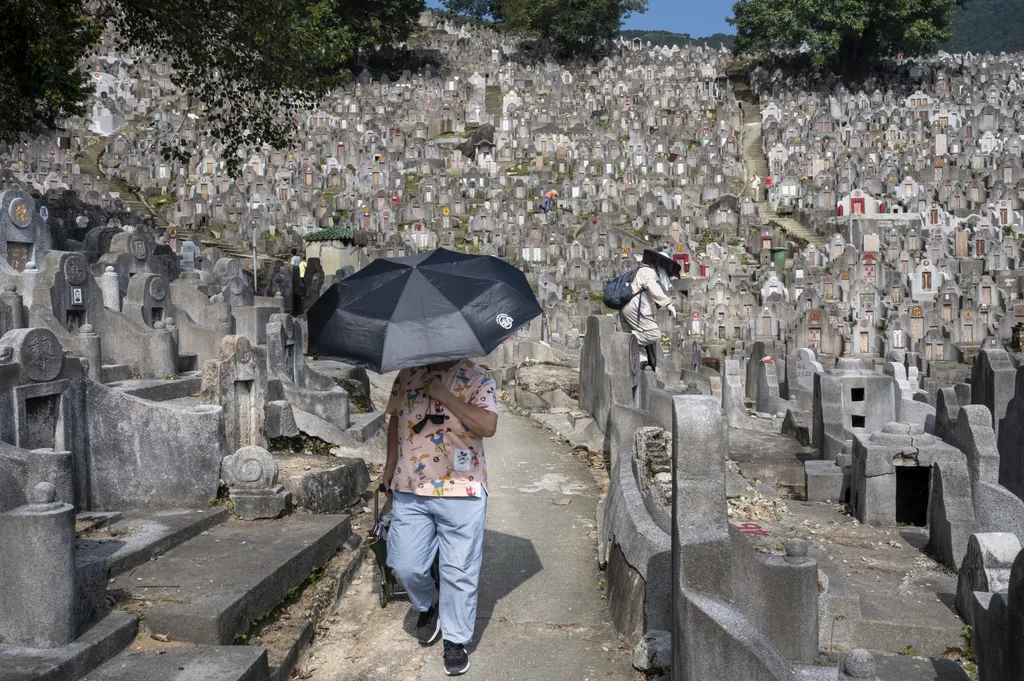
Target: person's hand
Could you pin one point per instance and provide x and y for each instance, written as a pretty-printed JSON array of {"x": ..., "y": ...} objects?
[
  {"x": 672, "y": 310},
  {"x": 432, "y": 388},
  {"x": 385, "y": 482}
]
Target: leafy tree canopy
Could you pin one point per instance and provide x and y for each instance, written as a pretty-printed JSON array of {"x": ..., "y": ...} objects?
[
  {"x": 253, "y": 64},
  {"x": 571, "y": 27},
  {"x": 846, "y": 35}
]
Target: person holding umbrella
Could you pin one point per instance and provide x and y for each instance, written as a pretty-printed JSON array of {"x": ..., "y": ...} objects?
[
  {"x": 425, "y": 315},
  {"x": 651, "y": 283},
  {"x": 437, "y": 474}
]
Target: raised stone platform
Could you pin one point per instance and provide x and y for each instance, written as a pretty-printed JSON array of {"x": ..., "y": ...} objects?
[
  {"x": 138, "y": 537},
  {"x": 322, "y": 484},
  {"x": 209, "y": 589},
  {"x": 213, "y": 663},
  {"x": 97, "y": 643},
  {"x": 160, "y": 390}
]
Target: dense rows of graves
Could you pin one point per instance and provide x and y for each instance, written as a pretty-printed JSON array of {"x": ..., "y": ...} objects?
[{"x": 152, "y": 339}]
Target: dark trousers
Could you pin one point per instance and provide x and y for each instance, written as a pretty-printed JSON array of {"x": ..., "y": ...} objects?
[{"x": 652, "y": 355}]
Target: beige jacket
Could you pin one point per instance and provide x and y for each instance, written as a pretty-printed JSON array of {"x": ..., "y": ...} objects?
[{"x": 646, "y": 329}]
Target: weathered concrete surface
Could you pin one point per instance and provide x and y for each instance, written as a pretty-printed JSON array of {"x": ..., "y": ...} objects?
[
  {"x": 541, "y": 616},
  {"x": 213, "y": 663},
  {"x": 209, "y": 589},
  {"x": 138, "y": 537},
  {"x": 767, "y": 457},
  {"x": 99, "y": 642},
  {"x": 322, "y": 484}
]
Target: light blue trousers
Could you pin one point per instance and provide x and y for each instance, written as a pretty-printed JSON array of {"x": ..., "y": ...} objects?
[{"x": 420, "y": 526}]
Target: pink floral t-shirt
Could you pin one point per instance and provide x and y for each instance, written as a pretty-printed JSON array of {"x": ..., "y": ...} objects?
[{"x": 442, "y": 459}]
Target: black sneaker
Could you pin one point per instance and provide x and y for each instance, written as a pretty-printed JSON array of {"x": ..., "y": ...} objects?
[
  {"x": 428, "y": 626},
  {"x": 456, "y": 659}
]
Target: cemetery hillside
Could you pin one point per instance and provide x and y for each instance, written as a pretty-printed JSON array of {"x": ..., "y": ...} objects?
[{"x": 681, "y": 359}]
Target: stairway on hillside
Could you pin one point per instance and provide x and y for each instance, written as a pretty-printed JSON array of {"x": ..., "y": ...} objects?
[
  {"x": 89, "y": 164},
  {"x": 757, "y": 164}
]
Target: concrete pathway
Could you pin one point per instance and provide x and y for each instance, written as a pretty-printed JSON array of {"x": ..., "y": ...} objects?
[{"x": 541, "y": 613}]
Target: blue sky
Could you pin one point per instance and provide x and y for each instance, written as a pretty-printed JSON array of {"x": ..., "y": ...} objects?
[{"x": 699, "y": 18}]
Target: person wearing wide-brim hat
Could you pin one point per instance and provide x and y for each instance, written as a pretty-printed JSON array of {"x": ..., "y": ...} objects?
[{"x": 650, "y": 286}]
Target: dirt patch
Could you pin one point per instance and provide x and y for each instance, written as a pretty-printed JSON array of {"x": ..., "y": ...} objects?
[{"x": 543, "y": 377}]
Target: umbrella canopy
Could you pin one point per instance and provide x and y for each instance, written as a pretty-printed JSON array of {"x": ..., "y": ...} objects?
[{"x": 430, "y": 307}]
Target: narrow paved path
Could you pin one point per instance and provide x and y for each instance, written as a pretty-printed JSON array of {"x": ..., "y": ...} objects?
[{"x": 541, "y": 613}]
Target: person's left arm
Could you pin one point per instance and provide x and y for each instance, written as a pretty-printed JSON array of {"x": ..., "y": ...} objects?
[{"x": 480, "y": 421}]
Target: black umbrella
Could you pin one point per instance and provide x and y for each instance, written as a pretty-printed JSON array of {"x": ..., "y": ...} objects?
[{"x": 431, "y": 307}]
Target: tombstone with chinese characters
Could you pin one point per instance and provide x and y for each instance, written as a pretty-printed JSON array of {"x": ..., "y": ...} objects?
[
  {"x": 801, "y": 369},
  {"x": 148, "y": 300},
  {"x": 237, "y": 381},
  {"x": 24, "y": 234},
  {"x": 132, "y": 253},
  {"x": 68, "y": 301}
]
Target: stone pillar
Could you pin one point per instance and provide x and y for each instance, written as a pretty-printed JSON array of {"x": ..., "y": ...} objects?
[
  {"x": 28, "y": 282},
  {"x": 37, "y": 572},
  {"x": 11, "y": 309},
  {"x": 89, "y": 347},
  {"x": 111, "y": 289}
]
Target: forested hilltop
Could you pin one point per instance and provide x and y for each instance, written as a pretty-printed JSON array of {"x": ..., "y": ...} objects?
[{"x": 681, "y": 39}]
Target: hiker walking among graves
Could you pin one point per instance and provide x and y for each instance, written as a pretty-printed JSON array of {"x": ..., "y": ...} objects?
[
  {"x": 646, "y": 292},
  {"x": 442, "y": 406}
]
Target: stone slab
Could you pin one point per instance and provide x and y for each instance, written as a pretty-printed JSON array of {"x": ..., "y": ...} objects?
[
  {"x": 363, "y": 426},
  {"x": 159, "y": 389},
  {"x": 323, "y": 484},
  {"x": 906, "y": 668},
  {"x": 97, "y": 643},
  {"x": 213, "y": 663},
  {"x": 209, "y": 589},
  {"x": 315, "y": 426},
  {"x": 139, "y": 537}
]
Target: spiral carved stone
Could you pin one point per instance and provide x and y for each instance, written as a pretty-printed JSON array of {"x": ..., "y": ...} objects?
[{"x": 249, "y": 468}]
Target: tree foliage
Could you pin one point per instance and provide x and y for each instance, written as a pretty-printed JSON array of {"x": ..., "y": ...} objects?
[
  {"x": 253, "y": 64},
  {"x": 988, "y": 26},
  {"x": 570, "y": 27},
  {"x": 846, "y": 35}
]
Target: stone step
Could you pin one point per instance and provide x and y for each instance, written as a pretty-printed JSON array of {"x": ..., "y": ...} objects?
[
  {"x": 211, "y": 588},
  {"x": 206, "y": 663},
  {"x": 140, "y": 537},
  {"x": 98, "y": 642},
  {"x": 112, "y": 373}
]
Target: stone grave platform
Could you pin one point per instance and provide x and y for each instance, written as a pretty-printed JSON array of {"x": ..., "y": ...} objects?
[
  {"x": 138, "y": 537},
  {"x": 211, "y": 588},
  {"x": 208, "y": 663},
  {"x": 98, "y": 642},
  {"x": 770, "y": 458},
  {"x": 161, "y": 389},
  {"x": 322, "y": 484}
]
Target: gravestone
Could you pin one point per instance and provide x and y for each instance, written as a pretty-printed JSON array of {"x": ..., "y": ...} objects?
[
  {"x": 237, "y": 381},
  {"x": 24, "y": 234}
]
